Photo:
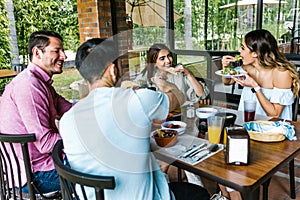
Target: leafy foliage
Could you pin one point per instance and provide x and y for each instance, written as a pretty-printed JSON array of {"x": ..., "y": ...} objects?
[
  {"x": 4, "y": 39},
  {"x": 5, "y": 55},
  {"x": 60, "y": 16},
  {"x": 228, "y": 24}
]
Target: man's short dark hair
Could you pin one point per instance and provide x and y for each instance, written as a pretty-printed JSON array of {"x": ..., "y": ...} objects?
[
  {"x": 85, "y": 49},
  {"x": 92, "y": 60},
  {"x": 40, "y": 39}
]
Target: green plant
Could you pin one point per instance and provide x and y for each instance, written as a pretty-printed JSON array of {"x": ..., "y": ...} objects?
[
  {"x": 4, "y": 39},
  {"x": 5, "y": 55},
  {"x": 59, "y": 16}
]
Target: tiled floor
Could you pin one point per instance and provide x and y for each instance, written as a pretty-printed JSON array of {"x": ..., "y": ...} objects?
[{"x": 279, "y": 188}]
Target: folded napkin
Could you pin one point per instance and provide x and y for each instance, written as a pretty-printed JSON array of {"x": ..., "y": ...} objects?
[{"x": 275, "y": 127}]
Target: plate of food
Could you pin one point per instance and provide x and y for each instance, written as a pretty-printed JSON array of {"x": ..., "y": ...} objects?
[
  {"x": 231, "y": 72},
  {"x": 234, "y": 68}
]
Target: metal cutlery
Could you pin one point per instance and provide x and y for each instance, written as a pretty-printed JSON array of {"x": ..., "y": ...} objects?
[
  {"x": 212, "y": 148},
  {"x": 198, "y": 151},
  {"x": 193, "y": 150}
]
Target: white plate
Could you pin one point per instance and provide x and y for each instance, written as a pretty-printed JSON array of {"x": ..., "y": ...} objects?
[
  {"x": 205, "y": 112},
  {"x": 219, "y": 72}
]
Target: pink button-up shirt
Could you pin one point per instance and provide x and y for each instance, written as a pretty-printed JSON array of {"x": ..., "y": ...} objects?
[{"x": 30, "y": 104}]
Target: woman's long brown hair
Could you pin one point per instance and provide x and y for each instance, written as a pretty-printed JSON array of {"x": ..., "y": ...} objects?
[{"x": 263, "y": 43}]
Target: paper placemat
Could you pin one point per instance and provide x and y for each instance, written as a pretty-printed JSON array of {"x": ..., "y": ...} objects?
[{"x": 187, "y": 143}]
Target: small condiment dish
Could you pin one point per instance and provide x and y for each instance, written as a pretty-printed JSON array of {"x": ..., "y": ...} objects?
[{"x": 178, "y": 126}]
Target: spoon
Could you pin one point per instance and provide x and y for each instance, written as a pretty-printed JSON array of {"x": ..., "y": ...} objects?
[{"x": 212, "y": 148}]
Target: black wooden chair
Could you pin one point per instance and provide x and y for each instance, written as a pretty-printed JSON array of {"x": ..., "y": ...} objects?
[
  {"x": 295, "y": 45},
  {"x": 9, "y": 186},
  {"x": 211, "y": 86},
  {"x": 69, "y": 178},
  {"x": 295, "y": 108}
]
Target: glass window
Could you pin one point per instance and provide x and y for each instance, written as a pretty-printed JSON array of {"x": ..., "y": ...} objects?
[
  {"x": 147, "y": 20},
  {"x": 221, "y": 24},
  {"x": 218, "y": 25}
]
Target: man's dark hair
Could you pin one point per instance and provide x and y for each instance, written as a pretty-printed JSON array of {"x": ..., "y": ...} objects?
[
  {"x": 40, "y": 39},
  {"x": 92, "y": 59},
  {"x": 85, "y": 49}
]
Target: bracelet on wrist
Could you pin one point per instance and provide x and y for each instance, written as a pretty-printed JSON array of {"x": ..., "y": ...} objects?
[{"x": 254, "y": 90}]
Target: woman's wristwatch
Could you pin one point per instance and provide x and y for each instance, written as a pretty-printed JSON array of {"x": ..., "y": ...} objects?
[{"x": 254, "y": 90}]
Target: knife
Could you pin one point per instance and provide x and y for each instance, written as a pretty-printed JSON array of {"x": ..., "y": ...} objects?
[
  {"x": 213, "y": 148},
  {"x": 198, "y": 151},
  {"x": 190, "y": 151}
]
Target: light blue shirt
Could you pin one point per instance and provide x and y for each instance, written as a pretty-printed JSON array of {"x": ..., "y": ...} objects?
[
  {"x": 276, "y": 95},
  {"x": 108, "y": 133}
]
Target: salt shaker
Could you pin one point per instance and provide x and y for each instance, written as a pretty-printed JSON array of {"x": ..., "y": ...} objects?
[{"x": 190, "y": 111}]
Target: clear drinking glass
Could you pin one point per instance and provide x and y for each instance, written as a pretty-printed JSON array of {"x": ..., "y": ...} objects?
[
  {"x": 214, "y": 127},
  {"x": 249, "y": 110}
]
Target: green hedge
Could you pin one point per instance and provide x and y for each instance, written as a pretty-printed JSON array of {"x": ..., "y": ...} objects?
[{"x": 5, "y": 56}]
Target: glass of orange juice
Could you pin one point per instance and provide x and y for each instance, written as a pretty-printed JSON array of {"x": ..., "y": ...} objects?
[{"x": 214, "y": 126}]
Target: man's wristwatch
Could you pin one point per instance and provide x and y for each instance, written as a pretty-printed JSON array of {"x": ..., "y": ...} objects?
[{"x": 254, "y": 90}]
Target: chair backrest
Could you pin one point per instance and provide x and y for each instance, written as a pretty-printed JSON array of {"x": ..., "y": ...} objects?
[
  {"x": 16, "y": 169},
  {"x": 70, "y": 177},
  {"x": 295, "y": 45},
  {"x": 211, "y": 86},
  {"x": 295, "y": 108},
  {"x": 11, "y": 167}
]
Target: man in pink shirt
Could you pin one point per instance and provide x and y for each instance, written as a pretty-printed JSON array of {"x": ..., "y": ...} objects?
[{"x": 30, "y": 104}]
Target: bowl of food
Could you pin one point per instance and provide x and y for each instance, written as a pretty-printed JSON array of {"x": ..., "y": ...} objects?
[
  {"x": 165, "y": 138},
  {"x": 178, "y": 126},
  {"x": 205, "y": 112}
]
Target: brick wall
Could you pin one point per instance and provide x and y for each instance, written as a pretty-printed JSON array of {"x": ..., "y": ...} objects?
[{"x": 95, "y": 20}]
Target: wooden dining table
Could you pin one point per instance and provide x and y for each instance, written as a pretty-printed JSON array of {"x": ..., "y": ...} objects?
[
  {"x": 7, "y": 73},
  {"x": 266, "y": 158}
]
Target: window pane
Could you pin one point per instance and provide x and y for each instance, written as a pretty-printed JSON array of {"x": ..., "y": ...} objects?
[
  {"x": 148, "y": 22},
  {"x": 225, "y": 22}
]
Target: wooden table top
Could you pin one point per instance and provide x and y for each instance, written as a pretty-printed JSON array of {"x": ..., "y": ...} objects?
[
  {"x": 7, "y": 73},
  {"x": 265, "y": 159}
]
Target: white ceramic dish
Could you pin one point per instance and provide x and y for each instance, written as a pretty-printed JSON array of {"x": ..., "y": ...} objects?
[
  {"x": 219, "y": 72},
  {"x": 205, "y": 112},
  {"x": 180, "y": 130}
]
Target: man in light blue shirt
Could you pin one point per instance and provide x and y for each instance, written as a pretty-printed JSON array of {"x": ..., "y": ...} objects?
[{"x": 107, "y": 132}]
